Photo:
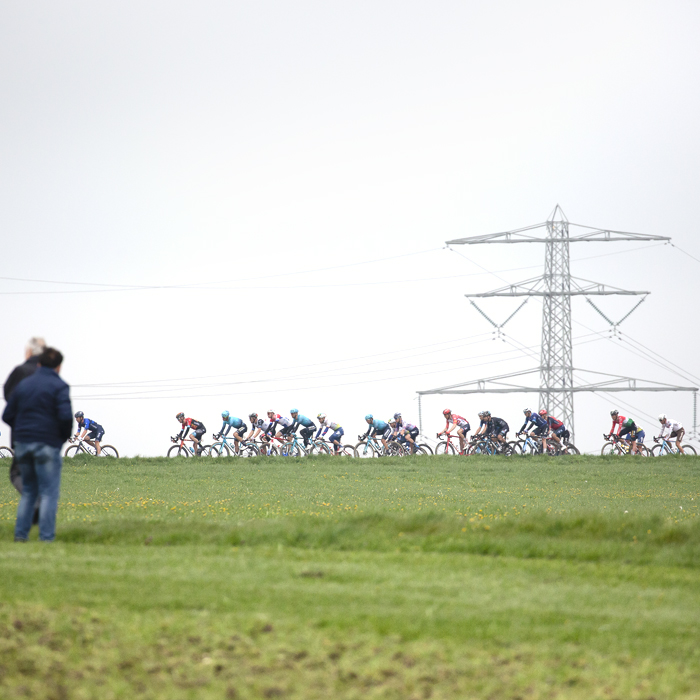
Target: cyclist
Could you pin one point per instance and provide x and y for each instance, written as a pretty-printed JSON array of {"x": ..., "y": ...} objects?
[
  {"x": 325, "y": 425},
  {"x": 407, "y": 431},
  {"x": 483, "y": 423},
  {"x": 461, "y": 424},
  {"x": 672, "y": 429},
  {"x": 197, "y": 428},
  {"x": 93, "y": 430},
  {"x": 377, "y": 427},
  {"x": 261, "y": 428},
  {"x": 636, "y": 435},
  {"x": 497, "y": 428},
  {"x": 231, "y": 422},
  {"x": 539, "y": 425},
  {"x": 617, "y": 420},
  {"x": 558, "y": 428},
  {"x": 275, "y": 420},
  {"x": 308, "y": 426}
]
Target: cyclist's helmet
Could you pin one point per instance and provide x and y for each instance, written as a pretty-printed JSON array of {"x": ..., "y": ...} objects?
[
  {"x": 614, "y": 412},
  {"x": 321, "y": 416},
  {"x": 79, "y": 415},
  {"x": 225, "y": 415},
  {"x": 397, "y": 416},
  {"x": 369, "y": 416},
  {"x": 487, "y": 413},
  {"x": 270, "y": 411},
  {"x": 392, "y": 421},
  {"x": 628, "y": 423},
  {"x": 252, "y": 416},
  {"x": 543, "y": 412},
  {"x": 447, "y": 412},
  {"x": 527, "y": 410},
  {"x": 481, "y": 414},
  {"x": 293, "y": 411},
  {"x": 662, "y": 418},
  {"x": 180, "y": 416}
]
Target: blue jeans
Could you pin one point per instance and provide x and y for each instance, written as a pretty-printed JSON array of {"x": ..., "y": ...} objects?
[{"x": 40, "y": 466}]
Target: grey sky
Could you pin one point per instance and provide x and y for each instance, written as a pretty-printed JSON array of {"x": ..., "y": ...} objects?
[{"x": 192, "y": 143}]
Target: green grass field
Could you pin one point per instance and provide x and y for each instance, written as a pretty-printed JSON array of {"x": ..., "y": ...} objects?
[{"x": 323, "y": 578}]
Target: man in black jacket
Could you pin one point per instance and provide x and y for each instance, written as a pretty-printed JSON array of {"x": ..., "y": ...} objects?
[
  {"x": 34, "y": 348},
  {"x": 40, "y": 415}
]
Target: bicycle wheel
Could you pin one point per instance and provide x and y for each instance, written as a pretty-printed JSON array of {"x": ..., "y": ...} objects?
[
  {"x": 570, "y": 449},
  {"x": 347, "y": 451},
  {"x": 395, "y": 449},
  {"x": 689, "y": 449},
  {"x": 247, "y": 450},
  {"x": 319, "y": 448},
  {"x": 444, "y": 448},
  {"x": 427, "y": 449},
  {"x": 109, "y": 451},
  {"x": 177, "y": 451},
  {"x": 6, "y": 452},
  {"x": 608, "y": 449},
  {"x": 480, "y": 448},
  {"x": 292, "y": 450},
  {"x": 366, "y": 450},
  {"x": 72, "y": 451},
  {"x": 217, "y": 450}
]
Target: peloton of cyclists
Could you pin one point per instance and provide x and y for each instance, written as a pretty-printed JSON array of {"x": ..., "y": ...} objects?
[{"x": 94, "y": 431}]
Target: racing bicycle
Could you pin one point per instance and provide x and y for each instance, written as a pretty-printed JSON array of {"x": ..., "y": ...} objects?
[
  {"x": 665, "y": 447},
  {"x": 182, "y": 450},
  {"x": 227, "y": 448},
  {"x": 616, "y": 445},
  {"x": 82, "y": 446},
  {"x": 445, "y": 447},
  {"x": 371, "y": 447}
]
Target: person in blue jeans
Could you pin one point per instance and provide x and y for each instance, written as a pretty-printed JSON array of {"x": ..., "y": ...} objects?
[{"x": 40, "y": 415}]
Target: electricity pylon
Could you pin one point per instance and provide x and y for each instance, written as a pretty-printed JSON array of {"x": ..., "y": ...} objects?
[{"x": 556, "y": 287}]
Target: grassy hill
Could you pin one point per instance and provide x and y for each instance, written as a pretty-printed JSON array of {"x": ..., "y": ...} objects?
[{"x": 322, "y": 577}]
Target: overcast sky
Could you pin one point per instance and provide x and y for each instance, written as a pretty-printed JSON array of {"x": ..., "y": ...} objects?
[{"x": 244, "y": 205}]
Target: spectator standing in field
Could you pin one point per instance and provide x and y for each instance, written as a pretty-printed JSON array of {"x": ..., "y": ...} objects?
[
  {"x": 40, "y": 415},
  {"x": 34, "y": 348}
]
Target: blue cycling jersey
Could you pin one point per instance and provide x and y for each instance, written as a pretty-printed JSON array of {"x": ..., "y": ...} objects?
[
  {"x": 537, "y": 421},
  {"x": 303, "y": 420},
  {"x": 379, "y": 425},
  {"x": 88, "y": 424},
  {"x": 234, "y": 422}
]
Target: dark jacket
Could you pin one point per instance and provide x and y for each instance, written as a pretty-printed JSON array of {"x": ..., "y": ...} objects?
[
  {"x": 19, "y": 373},
  {"x": 39, "y": 409}
]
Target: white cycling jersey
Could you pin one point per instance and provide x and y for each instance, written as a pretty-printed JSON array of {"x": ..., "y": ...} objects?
[
  {"x": 329, "y": 424},
  {"x": 670, "y": 426},
  {"x": 283, "y": 420},
  {"x": 263, "y": 425}
]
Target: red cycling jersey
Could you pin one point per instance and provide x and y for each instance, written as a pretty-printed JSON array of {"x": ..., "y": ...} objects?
[
  {"x": 457, "y": 420},
  {"x": 617, "y": 421},
  {"x": 554, "y": 423}
]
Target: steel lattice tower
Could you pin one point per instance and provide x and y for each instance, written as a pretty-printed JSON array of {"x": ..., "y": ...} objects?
[
  {"x": 556, "y": 287},
  {"x": 556, "y": 357}
]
